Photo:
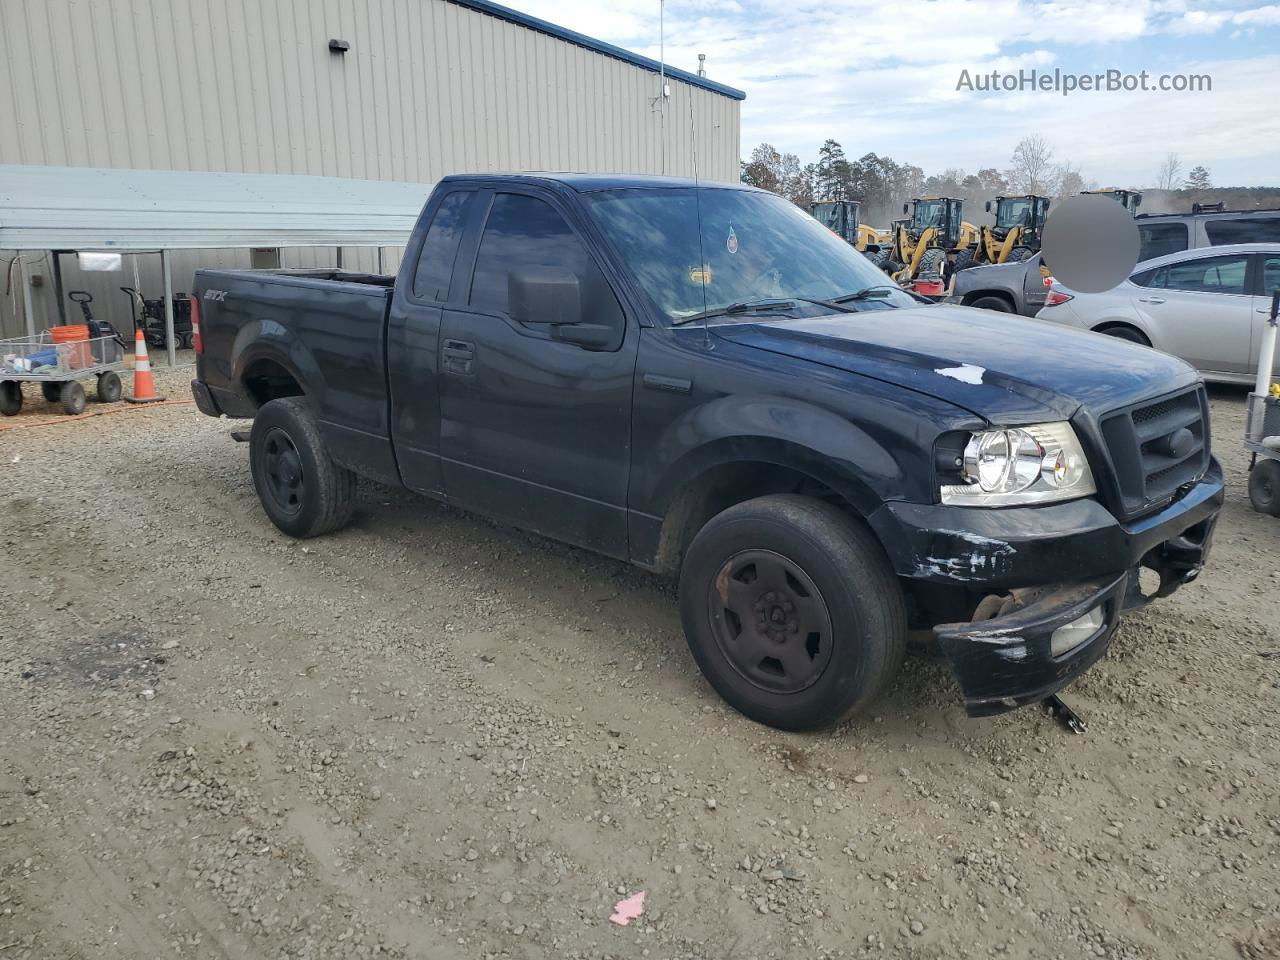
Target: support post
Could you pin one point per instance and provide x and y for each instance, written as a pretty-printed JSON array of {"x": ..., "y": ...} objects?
[
  {"x": 168, "y": 308},
  {"x": 27, "y": 296},
  {"x": 58, "y": 293}
]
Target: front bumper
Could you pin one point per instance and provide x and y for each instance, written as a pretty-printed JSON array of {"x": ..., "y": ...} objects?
[
  {"x": 1064, "y": 560},
  {"x": 1008, "y": 662}
]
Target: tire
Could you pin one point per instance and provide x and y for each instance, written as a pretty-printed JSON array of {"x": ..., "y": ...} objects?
[
  {"x": 1018, "y": 254},
  {"x": 964, "y": 260},
  {"x": 931, "y": 263},
  {"x": 10, "y": 397},
  {"x": 51, "y": 391},
  {"x": 1264, "y": 487},
  {"x": 302, "y": 490},
  {"x": 109, "y": 387},
  {"x": 1122, "y": 332},
  {"x": 73, "y": 398},
  {"x": 998, "y": 304},
  {"x": 815, "y": 567}
]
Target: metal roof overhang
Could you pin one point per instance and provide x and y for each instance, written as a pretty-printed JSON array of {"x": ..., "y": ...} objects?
[{"x": 88, "y": 208}]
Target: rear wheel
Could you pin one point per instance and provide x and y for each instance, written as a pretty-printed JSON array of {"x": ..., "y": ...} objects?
[
  {"x": 999, "y": 304},
  {"x": 302, "y": 490},
  {"x": 1122, "y": 332},
  {"x": 51, "y": 391},
  {"x": 964, "y": 260},
  {"x": 10, "y": 397},
  {"x": 109, "y": 388},
  {"x": 73, "y": 398},
  {"x": 1018, "y": 254},
  {"x": 1264, "y": 487},
  {"x": 791, "y": 611}
]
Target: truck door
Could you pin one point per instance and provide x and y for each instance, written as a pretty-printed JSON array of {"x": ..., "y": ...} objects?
[
  {"x": 533, "y": 429},
  {"x": 425, "y": 284}
]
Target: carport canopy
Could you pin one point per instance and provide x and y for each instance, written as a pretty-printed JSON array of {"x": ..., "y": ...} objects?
[
  {"x": 91, "y": 208},
  {"x": 80, "y": 209}
]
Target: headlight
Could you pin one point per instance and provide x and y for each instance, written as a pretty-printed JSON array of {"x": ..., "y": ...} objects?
[{"x": 1019, "y": 465}]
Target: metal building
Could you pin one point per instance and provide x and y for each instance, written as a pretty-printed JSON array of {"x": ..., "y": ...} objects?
[{"x": 406, "y": 90}]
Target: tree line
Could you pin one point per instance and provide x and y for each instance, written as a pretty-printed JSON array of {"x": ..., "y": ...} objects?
[{"x": 883, "y": 184}]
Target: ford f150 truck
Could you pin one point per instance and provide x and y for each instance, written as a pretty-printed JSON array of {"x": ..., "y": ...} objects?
[{"x": 702, "y": 380}]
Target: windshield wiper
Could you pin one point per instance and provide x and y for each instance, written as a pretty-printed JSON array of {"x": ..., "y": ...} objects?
[
  {"x": 764, "y": 305},
  {"x": 877, "y": 291}
]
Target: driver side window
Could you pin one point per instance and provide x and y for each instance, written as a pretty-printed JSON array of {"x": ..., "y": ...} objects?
[{"x": 525, "y": 231}]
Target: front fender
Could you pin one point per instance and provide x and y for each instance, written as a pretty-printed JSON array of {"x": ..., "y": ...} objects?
[{"x": 776, "y": 430}]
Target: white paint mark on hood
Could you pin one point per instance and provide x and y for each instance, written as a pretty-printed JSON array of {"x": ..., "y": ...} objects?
[{"x": 965, "y": 373}]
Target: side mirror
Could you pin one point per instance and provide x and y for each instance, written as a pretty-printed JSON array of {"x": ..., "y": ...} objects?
[
  {"x": 550, "y": 295},
  {"x": 1137, "y": 202},
  {"x": 988, "y": 206},
  {"x": 906, "y": 207}
]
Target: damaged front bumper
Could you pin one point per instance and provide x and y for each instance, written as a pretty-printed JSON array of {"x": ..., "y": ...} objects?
[
  {"x": 1047, "y": 568},
  {"x": 1032, "y": 652}
]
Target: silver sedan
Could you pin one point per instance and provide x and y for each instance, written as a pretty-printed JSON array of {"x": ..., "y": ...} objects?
[{"x": 1207, "y": 306}]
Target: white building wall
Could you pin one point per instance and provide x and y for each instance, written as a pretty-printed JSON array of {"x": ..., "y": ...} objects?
[{"x": 428, "y": 88}]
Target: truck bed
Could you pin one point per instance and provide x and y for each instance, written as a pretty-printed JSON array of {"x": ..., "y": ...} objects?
[{"x": 324, "y": 328}]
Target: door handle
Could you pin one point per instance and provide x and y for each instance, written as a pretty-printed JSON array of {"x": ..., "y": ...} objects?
[
  {"x": 458, "y": 356},
  {"x": 1151, "y": 300}
]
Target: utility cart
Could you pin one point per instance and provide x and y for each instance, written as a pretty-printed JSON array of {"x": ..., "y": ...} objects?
[
  {"x": 1262, "y": 424},
  {"x": 60, "y": 360}
]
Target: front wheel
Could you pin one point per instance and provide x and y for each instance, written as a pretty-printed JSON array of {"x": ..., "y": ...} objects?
[
  {"x": 1264, "y": 487},
  {"x": 302, "y": 490},
  {"x": 10, "y": 397},
  {"x": 791, "y": 611},
  {"x": 73, "y": 398},
  {"x": 109, "y": 387}
]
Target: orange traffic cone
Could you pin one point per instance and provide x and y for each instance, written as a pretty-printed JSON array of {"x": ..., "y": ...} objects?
[{"x": 144, "y": 385}]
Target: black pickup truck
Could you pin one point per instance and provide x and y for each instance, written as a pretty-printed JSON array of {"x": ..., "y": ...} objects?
[{"x": 702, "y": 380}]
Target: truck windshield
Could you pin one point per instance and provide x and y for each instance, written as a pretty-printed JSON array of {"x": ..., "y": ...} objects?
[{"x": 750, "y": 246}]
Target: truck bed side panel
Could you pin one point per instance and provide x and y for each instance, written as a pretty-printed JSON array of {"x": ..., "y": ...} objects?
[{"x": 328, "y": 335}]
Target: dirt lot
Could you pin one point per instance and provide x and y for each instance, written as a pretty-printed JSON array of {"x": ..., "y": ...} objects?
[{"x": 427, "y": 736}]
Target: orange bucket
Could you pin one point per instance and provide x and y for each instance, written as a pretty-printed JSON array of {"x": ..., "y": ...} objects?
[{"x": 76, "y": 334}]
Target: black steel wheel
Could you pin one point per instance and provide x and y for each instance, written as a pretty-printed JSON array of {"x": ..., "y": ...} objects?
[
  {"x": 51, "y": 391},
  {"x": 109, "y": 387},
  {"x": 302, "y": 490},
  {"x": 282, "y": 470},
  {"x": 792, "y": 611},
  {"x": 73, "y": 398},
  {"x": 770, "y": 621},
  {"x": 10, "y": 397},
  {"x": 1264, "y": 487}
]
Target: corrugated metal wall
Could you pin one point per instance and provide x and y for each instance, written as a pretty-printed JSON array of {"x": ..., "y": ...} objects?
[{"x": 427, "y": 88}]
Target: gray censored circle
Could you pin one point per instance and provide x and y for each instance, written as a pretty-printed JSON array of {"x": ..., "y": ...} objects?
[{"x": 1090, "y": 243}]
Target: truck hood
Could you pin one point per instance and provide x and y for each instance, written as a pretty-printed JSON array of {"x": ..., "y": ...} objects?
[{"x": 1005, "y": 368}]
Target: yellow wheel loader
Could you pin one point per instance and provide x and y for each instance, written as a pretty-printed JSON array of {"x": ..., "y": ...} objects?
[
  {"x": 1014, "y": 236},
  {"x": 932, "y": 231},
  {"x": 843, "y": 218}
]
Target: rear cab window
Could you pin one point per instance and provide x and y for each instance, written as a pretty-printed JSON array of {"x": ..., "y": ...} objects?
[{"x": 440, "y": 248}]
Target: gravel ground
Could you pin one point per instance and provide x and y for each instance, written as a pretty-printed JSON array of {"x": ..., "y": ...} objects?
[{"x": 427, "y": 736}]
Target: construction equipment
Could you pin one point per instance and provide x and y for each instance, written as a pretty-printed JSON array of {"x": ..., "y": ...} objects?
[
  {"x": 1131, "y": 200},
  {"x": 934, "y": 229},
  {"x": 1014, "y": 236},
  {"x": 843, "y": 218}
]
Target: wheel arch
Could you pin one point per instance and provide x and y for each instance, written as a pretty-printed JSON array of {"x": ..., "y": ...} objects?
[{"x": 733, "y": 470}]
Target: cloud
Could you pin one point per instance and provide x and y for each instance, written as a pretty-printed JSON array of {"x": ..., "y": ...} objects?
[{"x": 881, "y": 76}]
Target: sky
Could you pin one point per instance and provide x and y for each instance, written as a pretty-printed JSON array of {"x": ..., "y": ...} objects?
[{"x": 881, "y": 76}]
